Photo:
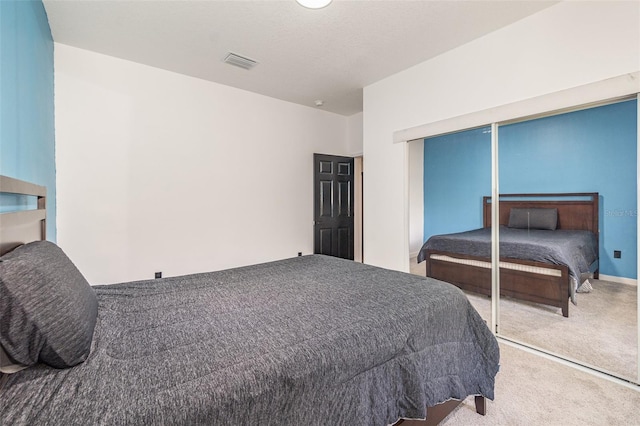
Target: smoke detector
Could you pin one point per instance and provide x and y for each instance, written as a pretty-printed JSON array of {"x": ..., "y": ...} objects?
[{"x": 240, "y": 61}]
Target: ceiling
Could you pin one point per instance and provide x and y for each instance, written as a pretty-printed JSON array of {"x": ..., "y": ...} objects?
[{"x": 303, "y": 55}]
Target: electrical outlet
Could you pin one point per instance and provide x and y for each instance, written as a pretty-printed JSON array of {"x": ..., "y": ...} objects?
[
  {"x": 617, "y": 254},
  {"x": 158, "y": 274},
  {"x": 299, "y": 253}
]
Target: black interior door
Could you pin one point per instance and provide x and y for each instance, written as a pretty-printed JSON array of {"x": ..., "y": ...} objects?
[{"x": 333, "y": 205}]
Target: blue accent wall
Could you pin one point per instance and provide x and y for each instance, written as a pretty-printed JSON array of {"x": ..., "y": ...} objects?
[
  {"x": 457, "y": 174},
  {"x": 27, "y": 142},
  {"x": 592, "y": 150}
]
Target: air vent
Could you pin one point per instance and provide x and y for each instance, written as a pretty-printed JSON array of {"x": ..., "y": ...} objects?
[{"x": 240, "y": 61}]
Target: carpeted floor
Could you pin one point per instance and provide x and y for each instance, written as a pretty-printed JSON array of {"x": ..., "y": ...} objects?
[
  {"x": 600, "y": 331},
  {"x": 531, "y": 390}
]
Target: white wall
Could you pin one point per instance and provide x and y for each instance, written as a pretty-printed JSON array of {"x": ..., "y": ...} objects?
[
  {"x": 567, "y": 45},
  {"x": 354, "y": 134},
  {"x": 157, "y": 171},
  {"x": 415, "y": 152}
]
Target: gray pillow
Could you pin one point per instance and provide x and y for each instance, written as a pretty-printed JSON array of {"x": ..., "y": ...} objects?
[
  {"x": 533, "y": 218},
  {"x": 47, "y": 309}
]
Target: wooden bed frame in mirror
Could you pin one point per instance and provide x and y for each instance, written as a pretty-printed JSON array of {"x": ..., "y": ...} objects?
[
  {"x": 576, "y": 211},
  {"x": 24, "y": 226}
]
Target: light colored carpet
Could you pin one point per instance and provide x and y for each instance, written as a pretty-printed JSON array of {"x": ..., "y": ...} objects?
[
  {"x": 531, "y": 390},
  {"x": 600, "y": 331}
]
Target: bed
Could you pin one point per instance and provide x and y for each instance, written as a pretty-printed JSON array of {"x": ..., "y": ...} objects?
[
  {"x": 548, "y": 249},
  {"x": 311, "y": 340}
]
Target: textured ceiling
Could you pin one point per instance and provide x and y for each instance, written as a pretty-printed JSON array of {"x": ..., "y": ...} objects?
[{"x": 303, "y": 54}]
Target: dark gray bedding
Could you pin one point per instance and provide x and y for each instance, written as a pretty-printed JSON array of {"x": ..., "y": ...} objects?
[
  {"x": 311, "y": 340},
  {"x": 575, "y": 249}
]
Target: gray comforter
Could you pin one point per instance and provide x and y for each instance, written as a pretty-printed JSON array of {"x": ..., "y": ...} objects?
[
  {"x": 311, "y": 340},
  {"x": 575, "y": 249}
]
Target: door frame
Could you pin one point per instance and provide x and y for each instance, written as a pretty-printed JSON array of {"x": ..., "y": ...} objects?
[{"x": 358, "y": 192}]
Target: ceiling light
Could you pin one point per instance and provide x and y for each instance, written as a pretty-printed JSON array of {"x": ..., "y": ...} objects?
[
  {"x": 314, "y": 4},
  {"x": 319, "y": 102}
]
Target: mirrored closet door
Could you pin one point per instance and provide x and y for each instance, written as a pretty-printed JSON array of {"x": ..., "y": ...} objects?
[
  {"x": 578, "y": 170},
  {"x": 588, "y": 159}
]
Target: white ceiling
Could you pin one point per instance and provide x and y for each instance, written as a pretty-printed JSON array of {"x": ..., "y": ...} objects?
[{"x": 303, "y": 54}]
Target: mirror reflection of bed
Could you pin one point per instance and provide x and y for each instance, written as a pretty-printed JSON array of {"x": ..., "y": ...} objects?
[
  {"x": 548, "y": 249},
  {"x": 552, "y": 230},
  {"x": 587, "y": 150}
]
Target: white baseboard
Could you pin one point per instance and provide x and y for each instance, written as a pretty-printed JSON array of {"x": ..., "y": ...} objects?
[
  {"x": 414, "y": 255},
  {"x": 621, "y": 280}
]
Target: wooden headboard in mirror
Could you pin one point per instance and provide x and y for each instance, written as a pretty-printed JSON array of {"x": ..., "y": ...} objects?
[
  {"x": 577, "y": 211},
  {"x": 22, "y": 226}
]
